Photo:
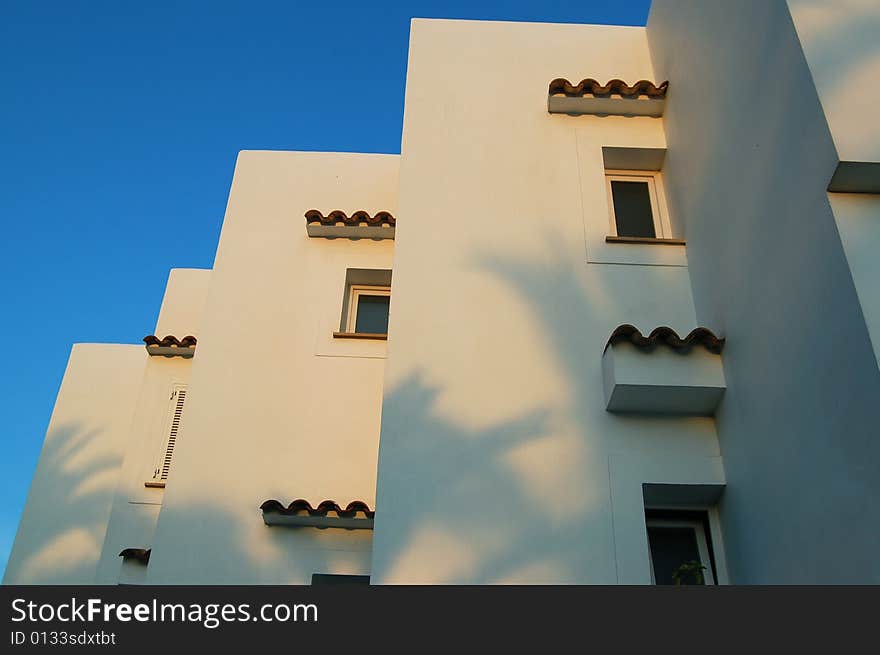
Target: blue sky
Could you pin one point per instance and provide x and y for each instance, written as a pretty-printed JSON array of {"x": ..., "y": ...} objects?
[{"x": 121, "y": 118}]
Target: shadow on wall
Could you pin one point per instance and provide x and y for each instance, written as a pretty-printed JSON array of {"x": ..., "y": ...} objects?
[
  {"x": 538, "y": 479},
  {"x": 438, "y": 536},
  {"x": 575, "y": 320},
  {"x": 66, "y": 513},
  {"x": 542, "y": 476},
  {"x": 790, "y": 399},
  {"x": 576, "y": 307},
  {"x": 237, "y": 547},
  {"x": 61, "y": 536}
]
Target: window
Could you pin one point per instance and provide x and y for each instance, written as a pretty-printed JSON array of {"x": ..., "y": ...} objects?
[
  {"x": 368, "y": 309},
  {"x": 366, "y": 300},
  {"x": 680, "y": 547},
  {"x": 336, "y": 579},
  {"x": 172, "y": 429},
  {"x": 634, "y": 203}
]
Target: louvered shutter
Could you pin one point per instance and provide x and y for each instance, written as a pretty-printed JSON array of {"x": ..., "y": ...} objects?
[{"x": 178, "y": 397}]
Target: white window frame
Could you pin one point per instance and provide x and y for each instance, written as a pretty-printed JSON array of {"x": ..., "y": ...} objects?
[
  {"x": 662, "y": 229},
  {"x": 355, "y": 293},
  {"x": 702, "y": 543}
]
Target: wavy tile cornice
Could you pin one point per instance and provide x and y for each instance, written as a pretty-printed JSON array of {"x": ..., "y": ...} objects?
[
  {"x": 667, "y": 336},
  {"x": 168, "y": 341},
  {"x": 589, "y": 86},
  {"x": 358, "y": 217},
  {"x": 301, "y": 505},
  {"x": 141, "y": 555}
]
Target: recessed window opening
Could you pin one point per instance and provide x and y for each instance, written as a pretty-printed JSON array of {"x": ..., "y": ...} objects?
[
  {"x": 366, "y": 303},
  {"x": 681, "y": 551}
]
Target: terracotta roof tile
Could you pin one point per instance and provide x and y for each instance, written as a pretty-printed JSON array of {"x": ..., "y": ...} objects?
[
  {"x": 141, "y": 555},
  {"x": 300, "y": 505},
  {"x": 589, "y": 86},
  {"x": 358, "y": 217},
  {"x": 186, "y": 342},
  {"x": 667, "y": 336}
]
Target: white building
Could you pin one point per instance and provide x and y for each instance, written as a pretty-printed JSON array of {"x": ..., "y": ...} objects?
[{"x": 500, "y": 433}]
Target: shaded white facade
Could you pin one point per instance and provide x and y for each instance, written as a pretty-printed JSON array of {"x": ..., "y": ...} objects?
[{"x": 480, "y": 430}]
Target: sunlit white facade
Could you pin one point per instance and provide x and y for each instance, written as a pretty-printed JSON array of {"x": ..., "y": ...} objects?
[{"x": 509, "y": 429}]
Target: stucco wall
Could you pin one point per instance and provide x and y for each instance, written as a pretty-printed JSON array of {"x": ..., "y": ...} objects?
[
  {"x": 749, "y": 159},
  {"x": 65, "y": 517},
  {"x": 136, "y": 507},
  {"x": 495, "y": 446},
  {"x": 276, "y": 407},
  {"x": 858, "y": 221},
  {"x": 498, "y": 462},
  {"x": 88, "y": 500},
  {"x": 183, "y": 303},
  {"x": 840, "y": 41}
]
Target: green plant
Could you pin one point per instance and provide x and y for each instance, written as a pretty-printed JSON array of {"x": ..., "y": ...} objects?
[{"x": 692, "y": 569}]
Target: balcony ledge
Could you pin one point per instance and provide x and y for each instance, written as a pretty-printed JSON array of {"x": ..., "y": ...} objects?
[
  {"x": 662, "y": 373},
  {"x": 170, "y": 346},
  {"x": 328, "y": 514},
  {"x": 643, "y": 98},
  {"x": 360, "y": 225}
]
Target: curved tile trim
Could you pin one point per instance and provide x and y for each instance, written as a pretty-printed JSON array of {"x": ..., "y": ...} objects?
[
  {"x": 141, "y": 555},
  {"x": 589, "y": 86},
  {"x": 667, "y": 336},
  {"x": 358, "y": 217},
  {"x": 300, "y": 505},
  {"x": 186, "y": 342}
]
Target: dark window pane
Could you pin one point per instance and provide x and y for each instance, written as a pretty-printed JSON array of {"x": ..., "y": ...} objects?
[
  {"x": 670, "y": 548},
  {"x": 332, "y": 579},
  {"x": 372, "y": 314},
  {"x": 632, "y": 209}
]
